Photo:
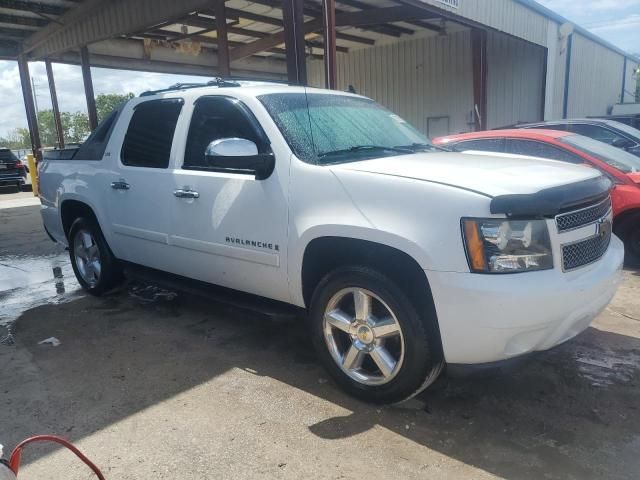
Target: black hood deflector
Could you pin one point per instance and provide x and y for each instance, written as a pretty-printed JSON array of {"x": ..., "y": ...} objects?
[{"x": 552, "y": 201}]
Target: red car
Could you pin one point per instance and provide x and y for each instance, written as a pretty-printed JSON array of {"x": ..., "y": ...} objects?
[{"x": 622, "y": 167}]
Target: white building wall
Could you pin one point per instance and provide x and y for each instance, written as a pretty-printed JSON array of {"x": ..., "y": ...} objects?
[
  {"x": 416, "y": 78},
  {"x": 504, "y": 15},
  {"x": 515, "y": 80},
  {"x": 595, "y": 82}
]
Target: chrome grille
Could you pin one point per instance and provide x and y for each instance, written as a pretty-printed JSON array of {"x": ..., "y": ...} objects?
[
  {"x": 585, "y": 216},
  {"x": 584, "y": 252}
]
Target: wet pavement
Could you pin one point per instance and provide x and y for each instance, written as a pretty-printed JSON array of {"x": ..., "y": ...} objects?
[
  {"x": 31, "y": 273},
  {"x": 156, "y": 387}
]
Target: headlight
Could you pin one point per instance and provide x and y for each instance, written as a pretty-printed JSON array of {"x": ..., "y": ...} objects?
[{"x": 495, "y": 245}]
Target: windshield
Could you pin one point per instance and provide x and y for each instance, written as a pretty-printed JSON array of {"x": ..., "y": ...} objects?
[
  {"x": 341, "y": 128},
  {"x": 634, "y": 133},
  {"x": 617, "y": 158}
]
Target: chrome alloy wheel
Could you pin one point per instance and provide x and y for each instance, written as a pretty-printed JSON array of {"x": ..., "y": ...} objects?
[
  {"x": 363, "y": 336},
  {"x": 87, "y": 256}
]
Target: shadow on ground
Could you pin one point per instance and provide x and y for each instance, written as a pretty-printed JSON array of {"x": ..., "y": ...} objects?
[{"x": 569, "y": 413}]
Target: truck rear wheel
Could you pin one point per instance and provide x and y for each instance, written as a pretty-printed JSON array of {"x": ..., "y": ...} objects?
[
  {"x": 93, "y": 263},
  {"x": 370, "y": 337}
]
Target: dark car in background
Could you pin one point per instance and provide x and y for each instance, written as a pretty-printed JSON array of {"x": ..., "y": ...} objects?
[
  {"x": 608, "y": 131},
  {"x": 12, "y": 171}
]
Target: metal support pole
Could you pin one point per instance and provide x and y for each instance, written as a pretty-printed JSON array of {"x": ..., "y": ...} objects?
[
  {"x": 27, "y": 95},
  {"x": 224, "y": 67},
  {"x": 88, "y": 88},
  {"x": 330, "y": 70},
  {"x": 567, "y": 76},
  {"x": 479, "y": 60},
  {"x": 35, "y": 95},
  {"x": 54, "y": 103},
  {"x": 293, "y": 19},
  {"x": 624, "y": 81}
]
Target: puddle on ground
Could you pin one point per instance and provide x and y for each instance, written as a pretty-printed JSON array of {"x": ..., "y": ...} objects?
[{"x": 27, "y": 282}]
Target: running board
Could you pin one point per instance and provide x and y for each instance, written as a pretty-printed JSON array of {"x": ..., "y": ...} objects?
[{"x": 223, "y": 295}]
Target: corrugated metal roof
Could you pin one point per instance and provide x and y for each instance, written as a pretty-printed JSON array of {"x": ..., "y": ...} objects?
[{"x": 19, "y": 20}]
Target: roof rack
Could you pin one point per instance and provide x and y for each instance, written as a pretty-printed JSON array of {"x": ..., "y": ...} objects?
[{"x": 216, "y": 82}]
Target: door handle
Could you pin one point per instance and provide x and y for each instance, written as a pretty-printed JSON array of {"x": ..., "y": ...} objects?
[
  {"x": 186, "y": 194},
  {"x": 120, "y": 185}
]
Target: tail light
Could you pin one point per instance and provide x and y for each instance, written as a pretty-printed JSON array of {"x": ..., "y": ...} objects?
[{"x": 19, "y": 164}]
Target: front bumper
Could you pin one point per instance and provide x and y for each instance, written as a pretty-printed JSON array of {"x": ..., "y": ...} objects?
[{"x": 488, "y": 318}]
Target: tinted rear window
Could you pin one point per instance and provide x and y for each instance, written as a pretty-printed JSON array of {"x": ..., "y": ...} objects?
[
  {"x": 150, "y": 134},
  {"x": 7, "y": 155},
  {"x": 93, "y": 148}
]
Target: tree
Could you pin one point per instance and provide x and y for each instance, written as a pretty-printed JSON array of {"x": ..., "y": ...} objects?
[
  {"x": 74, "y": 125},
  {"x": 106, "y": 102},
  {"x": 17, "y": 139}
]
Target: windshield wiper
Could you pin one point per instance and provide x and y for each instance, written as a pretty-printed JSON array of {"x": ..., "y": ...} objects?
[
  {"x": 364, "y": 148},
  {"x": 421, "y": 147}
]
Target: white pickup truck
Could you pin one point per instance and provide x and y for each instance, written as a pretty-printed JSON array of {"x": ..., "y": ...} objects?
[{"x": 407, "y": 258}]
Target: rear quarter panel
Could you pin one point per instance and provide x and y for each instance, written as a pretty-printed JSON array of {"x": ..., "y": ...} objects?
[{"x": 62, "y": 180}]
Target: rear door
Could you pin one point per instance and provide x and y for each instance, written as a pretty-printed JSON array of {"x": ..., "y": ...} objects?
[
  {"x": 234, "y": 232},
  {"x": 140, "y": 187}
]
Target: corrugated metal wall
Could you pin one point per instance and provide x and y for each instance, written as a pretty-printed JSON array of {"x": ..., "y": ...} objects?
[
  {"x": 503, "y": 15},
  {"x": 596, "y": 78},
  {"x": 416, "y": 78},
  {"x": 515, "y": 71},
  {"x": 432, "y": 77}
]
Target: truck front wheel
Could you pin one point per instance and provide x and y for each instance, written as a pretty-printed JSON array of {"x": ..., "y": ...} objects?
[
  {"x": 93, "y": 263},
  {"x": 370, "y": 337}
]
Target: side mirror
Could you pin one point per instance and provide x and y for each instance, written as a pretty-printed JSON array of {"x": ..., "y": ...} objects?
[
  {"x": 239, "y": 155},
  {"x": 231, "y": 147}
]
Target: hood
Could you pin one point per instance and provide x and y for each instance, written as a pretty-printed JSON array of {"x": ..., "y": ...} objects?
[{"x": 486, "y": 174}]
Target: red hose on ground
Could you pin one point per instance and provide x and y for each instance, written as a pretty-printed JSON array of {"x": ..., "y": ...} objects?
[{"x": 14, "y": 461}]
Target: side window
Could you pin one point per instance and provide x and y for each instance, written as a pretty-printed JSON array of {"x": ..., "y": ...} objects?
[
  {"x": 93, "y": 148},
  {"x": 533, "y": 148},
  {"x": 148, "y": 140},
  {"x": 482, "y": 145},
  {"x": 596, "y": 132},
  {"x": 215, "y": 118}
]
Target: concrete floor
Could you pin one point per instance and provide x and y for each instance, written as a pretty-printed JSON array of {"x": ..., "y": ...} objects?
[{"x": 190, "y": 389}]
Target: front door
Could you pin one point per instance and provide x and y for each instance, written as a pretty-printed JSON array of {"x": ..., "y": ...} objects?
[
  {"x": 139, "y": 194},
  {"x": 229, "y": 228}
]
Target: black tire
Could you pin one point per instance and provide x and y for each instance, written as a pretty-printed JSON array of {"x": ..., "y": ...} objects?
[
  {"x": 629, "y": 233},
  {"x": 110, "y": 272},
  {"x": 421, "y": 364}
]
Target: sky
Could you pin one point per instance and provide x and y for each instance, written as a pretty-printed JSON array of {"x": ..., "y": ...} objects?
[{"x": 617, "y": 21}]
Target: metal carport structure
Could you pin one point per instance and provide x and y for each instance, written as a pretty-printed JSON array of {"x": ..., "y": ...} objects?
[{"x": 269, "y": 39}]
